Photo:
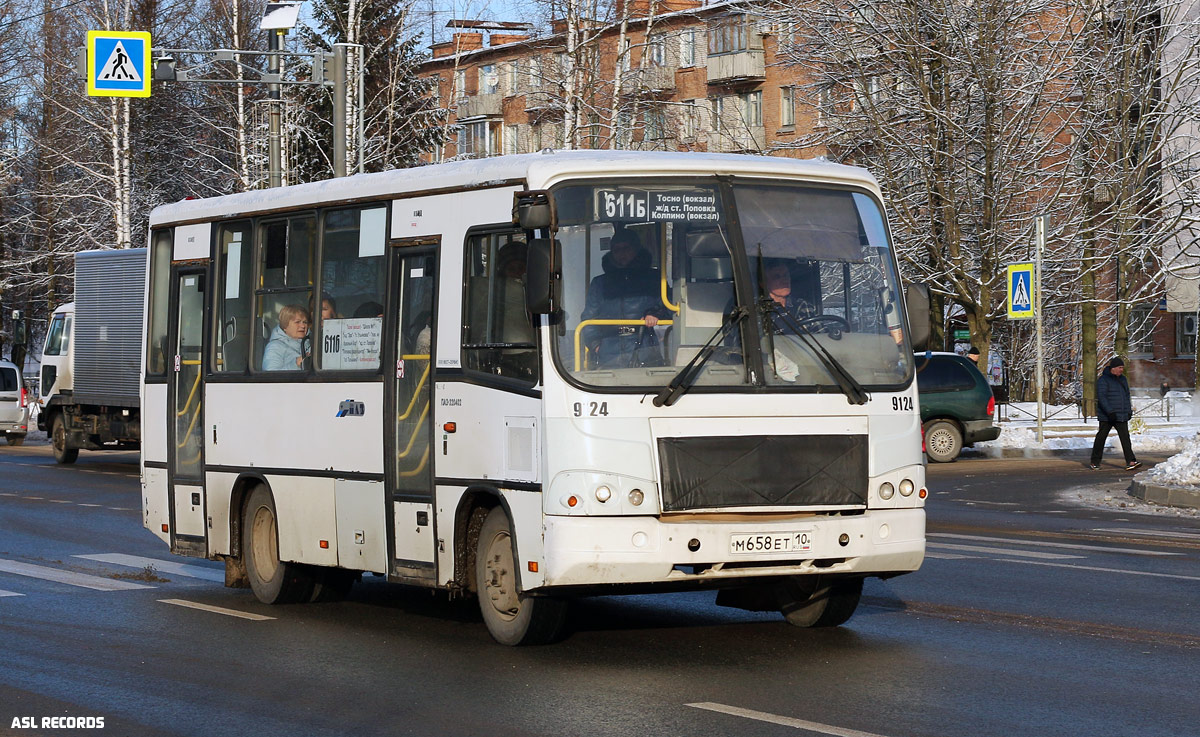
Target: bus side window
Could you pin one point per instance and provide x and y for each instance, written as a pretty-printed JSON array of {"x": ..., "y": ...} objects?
[
  {"x": 498, "y": 337},
  {"x": 285, "y": 253},
  {"x": 348, "y": 319},
  {"x": 234, "y": 298},
  {"x": 160, "y": 288}
]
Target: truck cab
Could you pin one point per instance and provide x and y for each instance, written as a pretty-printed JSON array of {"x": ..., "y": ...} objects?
[{"x": 56, "y": 379}]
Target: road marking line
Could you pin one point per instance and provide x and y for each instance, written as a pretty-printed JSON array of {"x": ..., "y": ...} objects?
[
  {"x": 68, "y": 577},
  {"x": 59, "y": 501},
  {"x": 161, "y": 566},
  {"x": 947, "y": 556},
  {"x": 33, "y": 497},
  {"x": 122, "y": 509},
  {"x": 1004, "y": 551},
  {"x": 1069, "y": 546},
  {"x": 983, "y": 501},
  {"x": 216, "y": 609},
  {"x": 89, "y": 505},
  {"x": 763, "y": 716},
  {"x": 1101, "y": 570},
  {"x": 7, "y": 493},
  {"x": 1149, "y": 533},
  {"x": 4, "y": 593}
]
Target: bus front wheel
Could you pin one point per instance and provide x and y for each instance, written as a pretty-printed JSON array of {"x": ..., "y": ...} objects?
[
  {"x": 511, "y": 617},
  {"x": 272, "y": 580},
  {"x": 819, "y": 601}
]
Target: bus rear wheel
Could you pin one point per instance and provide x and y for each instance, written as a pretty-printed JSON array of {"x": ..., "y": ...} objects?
[
  {"x": 63, "y": 453},
  {"x": 819, "y": 601},
  {"x": 511, "y": 617},
  {"x": 273, "y": 581}
]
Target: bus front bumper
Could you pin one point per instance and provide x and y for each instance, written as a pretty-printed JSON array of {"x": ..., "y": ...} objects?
[{"x": 582, "y": 551}]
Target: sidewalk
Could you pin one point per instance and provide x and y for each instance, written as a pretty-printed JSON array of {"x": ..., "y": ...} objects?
[{"x": 1175, "y": 482}]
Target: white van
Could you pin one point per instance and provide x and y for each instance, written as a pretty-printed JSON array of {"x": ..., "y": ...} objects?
[{"x": 14, "y": 404}]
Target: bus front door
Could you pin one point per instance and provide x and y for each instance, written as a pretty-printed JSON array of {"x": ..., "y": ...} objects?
[
  {"x": 186, "y": 407},
  {"x": 410, "y": 430}
]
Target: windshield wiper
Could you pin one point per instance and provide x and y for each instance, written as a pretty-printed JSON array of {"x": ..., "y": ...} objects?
[
  {"x": 846, "y": 382},
  {"x": 687, "y": 375}
]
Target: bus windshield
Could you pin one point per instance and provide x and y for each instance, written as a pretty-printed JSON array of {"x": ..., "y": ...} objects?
[{"x": 652, "y": 273}]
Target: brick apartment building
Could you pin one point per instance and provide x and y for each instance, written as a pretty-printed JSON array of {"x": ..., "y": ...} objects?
[{"x": 693, "y": 77}]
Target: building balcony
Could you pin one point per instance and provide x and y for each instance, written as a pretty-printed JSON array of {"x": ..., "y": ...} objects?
[
  {"x": 736, "y": 139},
  {"x": 481, "y": 106},
  {"x": 739, "y": 66},
  {"x": 654, "y": 78}
]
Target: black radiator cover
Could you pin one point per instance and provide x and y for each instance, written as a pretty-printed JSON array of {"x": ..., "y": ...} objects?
[{"x": 763, "y": 471}]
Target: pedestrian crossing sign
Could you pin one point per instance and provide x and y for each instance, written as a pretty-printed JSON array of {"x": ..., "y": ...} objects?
[
  {"x": 118, "y": 63},
  {"x": 1020, "y": 291}
]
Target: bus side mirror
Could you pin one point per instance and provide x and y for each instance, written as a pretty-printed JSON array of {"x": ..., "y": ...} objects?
[
  {"x": 541, "y": 276},
  {"x": 533, "y": 210},
  {"x": 916, "y": 303}
]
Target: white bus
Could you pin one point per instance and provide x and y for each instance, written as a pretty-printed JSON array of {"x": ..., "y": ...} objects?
[{"x": 537, "y": 377}]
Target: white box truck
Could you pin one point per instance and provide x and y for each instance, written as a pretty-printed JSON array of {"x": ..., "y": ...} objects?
[{"x": 91, "y": 361}]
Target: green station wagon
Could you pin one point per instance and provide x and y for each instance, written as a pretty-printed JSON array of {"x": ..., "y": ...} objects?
[{"x": 956, "y": 405}]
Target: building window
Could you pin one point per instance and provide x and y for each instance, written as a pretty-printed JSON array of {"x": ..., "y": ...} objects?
[
  {"x": 1185, "y": 333},
  {"x": 475, "y": 140},
  {"x": 1142, "y": 322},
  {"x": 787, "y": 107},
  {"x": 656, "y": 124},
  {"x": 656, "y": 51},
  {"x": 690, "y": 125},
  {"x": 687, "y": 48},
  {"x": 489, "y": 80},
  {"x": 718, "y": 114},
  {"x": 624, "y": 129},
  {"x": 728, "y": 35},
  {"x": 460, "y": 82},
  {"x": 535, "y": 74},
  {"x": 512, "y": 76},
  {"x": 752, "y": 109}
]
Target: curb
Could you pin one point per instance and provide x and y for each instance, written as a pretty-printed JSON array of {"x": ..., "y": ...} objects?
[{"x": 1170, "y": 496}]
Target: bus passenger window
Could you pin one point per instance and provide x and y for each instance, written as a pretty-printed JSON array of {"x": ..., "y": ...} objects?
[
  {"x": 353, "y": 275},
  {"x": 499, "y": 337},
  {"x": 234, "y": 300},
  {"x": 285, "y": 253},
  {"x": 160, "y": 288}
]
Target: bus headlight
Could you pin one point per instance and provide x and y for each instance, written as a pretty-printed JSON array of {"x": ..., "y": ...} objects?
[
  {"x": 603, "y": 493},
  {"x": 886, "y": 490},
  {"x": 636, "y": 497},
  {"x": 906, "y": 487}
]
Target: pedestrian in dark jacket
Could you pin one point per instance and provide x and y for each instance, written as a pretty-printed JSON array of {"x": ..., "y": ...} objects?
[
  {"x": 629, "y": 289},
  {"x": 1114, "y": 408}
]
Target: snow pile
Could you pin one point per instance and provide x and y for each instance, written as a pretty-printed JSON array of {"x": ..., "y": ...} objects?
[{"x": 1181, "y": 469}]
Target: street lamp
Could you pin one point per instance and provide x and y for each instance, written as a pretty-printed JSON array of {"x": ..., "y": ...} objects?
[{"x": 278, "y": 19}]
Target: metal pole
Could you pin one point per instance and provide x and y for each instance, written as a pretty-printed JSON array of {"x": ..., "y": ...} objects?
[
  {"x": 1037, "y": 316},
  {"x": 275, "y": 174},
  {"x": 339, "y": 110}
]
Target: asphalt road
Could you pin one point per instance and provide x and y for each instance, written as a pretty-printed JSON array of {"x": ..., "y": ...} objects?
[{"x": 1043, "y": 609}]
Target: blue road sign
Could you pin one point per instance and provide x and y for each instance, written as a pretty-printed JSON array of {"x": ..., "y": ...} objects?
[
  {"x": 1020, "y": 291},
  {"x": 118, "y": 63}
]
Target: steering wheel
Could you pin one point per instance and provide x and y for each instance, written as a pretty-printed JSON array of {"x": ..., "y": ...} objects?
[{"x": 835, "y": 326}]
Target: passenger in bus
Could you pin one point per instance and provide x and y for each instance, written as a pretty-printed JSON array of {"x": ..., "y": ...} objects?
[
  {"x": 369, "y": 309},
  {"x": 285, "y": 350},
  {"x": 629, "y": 289},
  {"x": 517, "y": 326},
  {"x": 328, "y": 308}
]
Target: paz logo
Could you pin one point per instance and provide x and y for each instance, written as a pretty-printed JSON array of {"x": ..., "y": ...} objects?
[{"x": 351, "y": 408}]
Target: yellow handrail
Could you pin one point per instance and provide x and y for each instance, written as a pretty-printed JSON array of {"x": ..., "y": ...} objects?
[
  {"x": 195, "y": 386},
  {"x": 416, "y": 429},
  {"x": 420, "y": 466},
  {"x": 662, "y": 261},
  {"x": 579, "y": 330},
  {"x": 420, "y": 384}
]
